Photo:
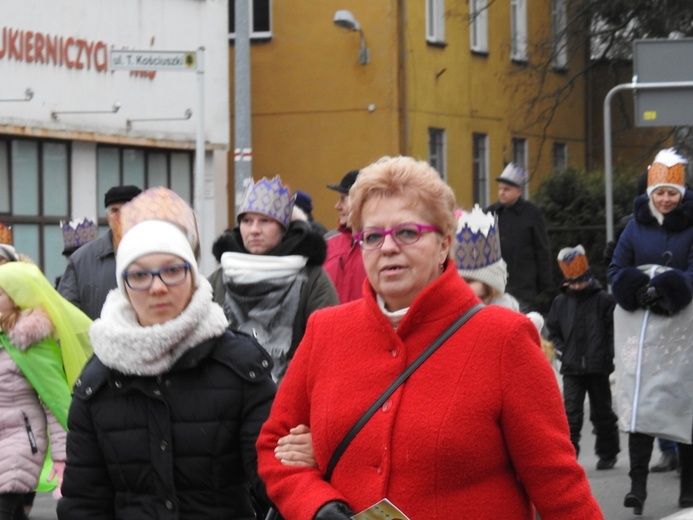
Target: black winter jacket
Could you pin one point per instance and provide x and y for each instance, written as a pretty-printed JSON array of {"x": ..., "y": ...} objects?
[
  {"x": 525, "y": 248},
  {"x": 178, "y": 446},
  {"x": 581, "y": 327}
]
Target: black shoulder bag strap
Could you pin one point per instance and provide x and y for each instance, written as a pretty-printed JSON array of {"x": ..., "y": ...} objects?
[{"x": 397, "y": 382}]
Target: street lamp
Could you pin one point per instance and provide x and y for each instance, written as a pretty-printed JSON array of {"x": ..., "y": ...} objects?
[{"x": 347, "y": 20}]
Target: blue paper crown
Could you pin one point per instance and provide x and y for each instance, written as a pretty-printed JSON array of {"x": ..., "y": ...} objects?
[
  {"x": 76, "y": 233},
  {"x": 477, "y": 240},
  {"x": 268, "y": 197}
]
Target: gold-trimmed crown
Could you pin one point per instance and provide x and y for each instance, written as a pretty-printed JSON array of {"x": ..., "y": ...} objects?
[
  {"x": 477, "y": 240},
  {"x": 76, "y": 233},
  {"x": 5, "y": 234},
  {"x": 158, "y": 204},
  {"x": 268, "y": 197}
]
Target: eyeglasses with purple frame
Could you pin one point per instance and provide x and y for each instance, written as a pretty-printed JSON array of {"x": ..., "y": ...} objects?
[{"x": 403, "y": 234}]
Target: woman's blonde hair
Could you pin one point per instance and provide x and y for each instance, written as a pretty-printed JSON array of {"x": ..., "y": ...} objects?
[
  {"x": 403, "y": 176},
  {"x": 8, "y": 319}
]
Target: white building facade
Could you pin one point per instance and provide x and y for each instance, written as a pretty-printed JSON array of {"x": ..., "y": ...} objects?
[{"x": 71, "y": 128}]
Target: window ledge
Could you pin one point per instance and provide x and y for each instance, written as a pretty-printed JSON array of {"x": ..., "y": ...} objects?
[{"x": 435, "y": 43}]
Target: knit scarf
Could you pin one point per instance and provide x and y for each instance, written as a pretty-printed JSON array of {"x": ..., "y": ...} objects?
[
  {"x": 262, "y": 297},
  {"x": 122, "y": 344}
]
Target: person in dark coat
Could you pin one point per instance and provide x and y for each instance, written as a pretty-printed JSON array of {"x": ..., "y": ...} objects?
[
  {"x": 524, "y": 241},
  {"x": 581, "y": 327},
  {"x": 271, "y": 277},
  {"x": 90, "y": 272},
  {"x": 661, "y": 233},
  {"x": 165, "y": 416}
]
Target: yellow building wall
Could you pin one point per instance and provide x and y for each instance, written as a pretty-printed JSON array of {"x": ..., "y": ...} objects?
[
  {"x": 316, "y": 112},
  {"x": 311, "y": 121}
]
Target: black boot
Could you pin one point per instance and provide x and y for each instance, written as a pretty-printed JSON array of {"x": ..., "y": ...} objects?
[
  {"x": 686, "y": 465},
  {"x": 635, "y": 498},
  {"x": 640, "y": 451}
]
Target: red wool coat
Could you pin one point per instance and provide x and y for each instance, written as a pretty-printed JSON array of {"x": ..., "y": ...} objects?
[{"x": 478, "y": 431}]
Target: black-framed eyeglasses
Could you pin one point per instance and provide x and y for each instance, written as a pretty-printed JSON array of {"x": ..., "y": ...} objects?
[
  {"x": 404, "y": 235},
  {"x": 142, "y": 279}
]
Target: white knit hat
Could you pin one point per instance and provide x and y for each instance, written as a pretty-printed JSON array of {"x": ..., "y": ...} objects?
[
  {"x": 153, "y": 236},
  {"x": 494, "y": 275}
]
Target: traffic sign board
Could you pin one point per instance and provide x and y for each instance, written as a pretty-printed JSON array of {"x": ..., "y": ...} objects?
[{"x": 121, "y": 59}]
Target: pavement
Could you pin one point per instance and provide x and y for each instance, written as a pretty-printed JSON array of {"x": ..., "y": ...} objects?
[{"x": 608, "y": 486}]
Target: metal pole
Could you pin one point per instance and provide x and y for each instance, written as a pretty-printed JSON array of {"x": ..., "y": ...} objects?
[
  {"x": 242, "y": 125},
  {"x": 200, "y": 179},
  {"x": 608, "y": 195}
]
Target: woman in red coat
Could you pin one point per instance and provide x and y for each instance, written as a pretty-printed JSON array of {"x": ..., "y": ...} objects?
[{"x": 478, "y": 431}]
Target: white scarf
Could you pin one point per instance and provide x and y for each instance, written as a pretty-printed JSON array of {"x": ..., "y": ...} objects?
[
  {"x": 122, "y": 344},
  {"x": 244, "y": 268}
]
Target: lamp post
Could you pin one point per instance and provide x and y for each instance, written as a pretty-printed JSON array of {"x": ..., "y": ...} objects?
[
  {"x": 243, "y": 151},
  {"x": 347, "y": 20}
]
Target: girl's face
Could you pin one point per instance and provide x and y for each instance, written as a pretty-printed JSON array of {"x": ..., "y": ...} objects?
[
  {"x": 161, "y": 302},
  {"x": 480, "y": 289},
  {"x": 6, "y": 303},
  {"x": 260, "y": 233}
]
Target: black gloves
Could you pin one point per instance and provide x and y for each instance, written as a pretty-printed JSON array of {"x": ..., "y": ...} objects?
[
  {"x": 647, "y": 296},
  {"x": 334, "y": 510}
]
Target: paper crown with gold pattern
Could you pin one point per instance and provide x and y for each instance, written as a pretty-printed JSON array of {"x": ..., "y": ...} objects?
[
  {"x": 573, "y": 263},
  {"x": 5, "y": 234},
  {"x": 76, "y": 233},
  {"x": 268, "y": 197},
  {"x": 477, "y": 251},
  {"x": 6, "y": 250},
  {"x": 668, "y": 169},
  {"x": 513, "y": 175},
  {"x": 158, "y": 204}
]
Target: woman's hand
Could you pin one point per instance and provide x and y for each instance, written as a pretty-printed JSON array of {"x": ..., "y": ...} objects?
[
  {"x": 57, "y": 471},
  {"x": 296, "y": 449}
]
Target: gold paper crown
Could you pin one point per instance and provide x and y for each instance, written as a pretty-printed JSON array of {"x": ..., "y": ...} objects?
[
  {"x": 77, "y": 233},
  {"x": 158, "y": 204},
  {"x": 662, "y": 174},
  {"x": 5, "y": 234},
  {"x": 573, "y": 262}
]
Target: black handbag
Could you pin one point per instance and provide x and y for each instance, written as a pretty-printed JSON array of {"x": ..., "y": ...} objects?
[{"x": 273, "y": 513}]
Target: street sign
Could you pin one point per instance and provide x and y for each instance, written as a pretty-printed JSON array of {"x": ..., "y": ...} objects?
[
  {"x": 121, "y": 59},
  {"x": 663, "y": 61}
]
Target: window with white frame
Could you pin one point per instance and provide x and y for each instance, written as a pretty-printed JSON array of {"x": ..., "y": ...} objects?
[
  {"x": 142, "y": 167},
  {"x": 480, "y": 182},
  {"x": 518, "y": 30},
  {"x": 436, "y": 150},
  {"x": 520, "y": 159},
  {"x": 478, "y": 25},
  {"x": 435, "y": 21},
  {"x": 260, "y": 19},
  {"x": 559, "y": 17},
  {"x": 520, "y": 153},
  {"x": 560, "y": 156}
]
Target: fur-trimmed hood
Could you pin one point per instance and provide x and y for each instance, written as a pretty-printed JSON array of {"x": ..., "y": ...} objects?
[
  {"x": 677, "y": 220},
  {"x": 300, "y": 239},
  {"x": 32, "y": 326}
]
